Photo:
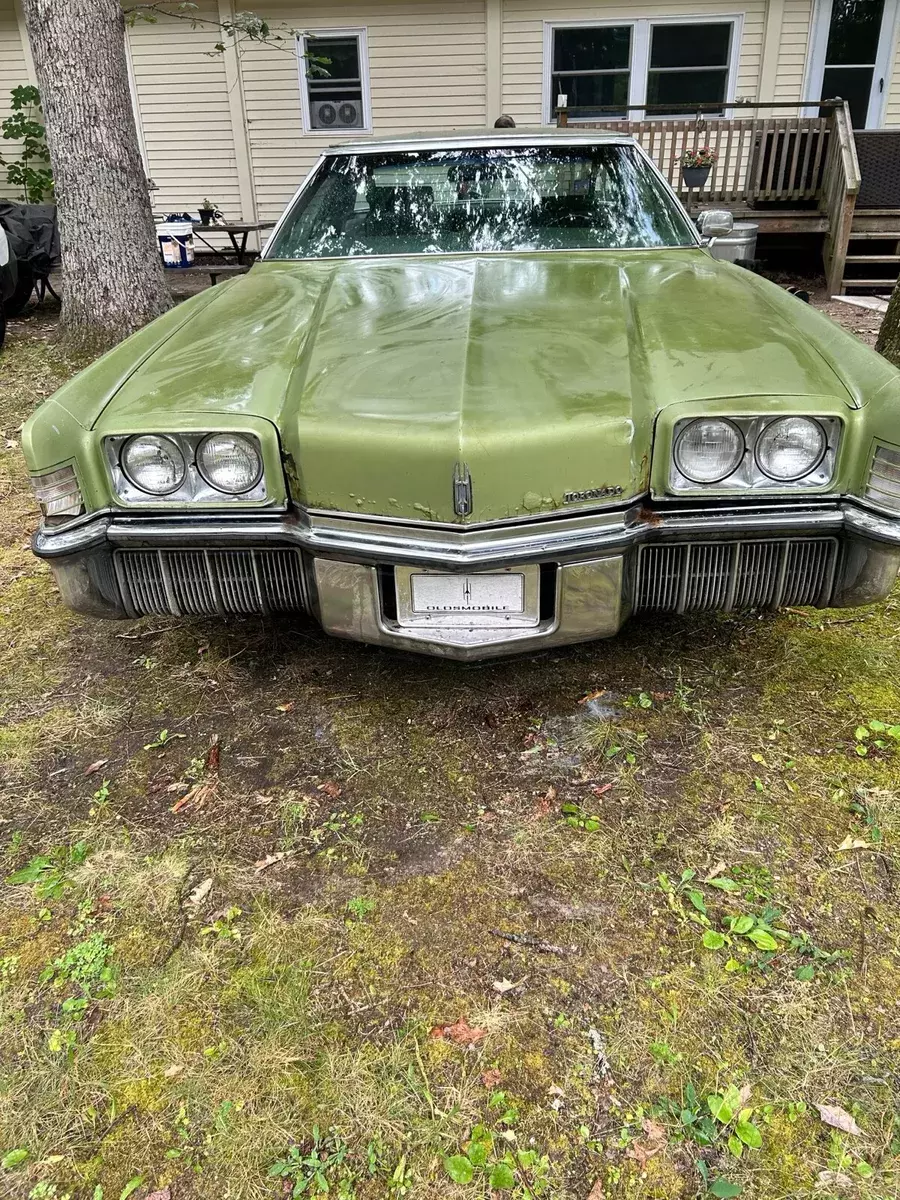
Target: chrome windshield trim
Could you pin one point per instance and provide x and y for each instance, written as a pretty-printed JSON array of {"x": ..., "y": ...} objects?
[{"x": 373, "y": 541}]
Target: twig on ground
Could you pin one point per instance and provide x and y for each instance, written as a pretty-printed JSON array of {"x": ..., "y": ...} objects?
[{"x": 523, "y": 939}]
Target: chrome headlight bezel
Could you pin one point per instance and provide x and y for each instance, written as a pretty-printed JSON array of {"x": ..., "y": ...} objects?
[
  {"x": 748, "y": 476},
  {"x": 194, "y": 488}
]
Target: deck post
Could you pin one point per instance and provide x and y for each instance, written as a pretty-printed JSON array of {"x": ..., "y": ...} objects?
[{"x": 840, "y": 188}]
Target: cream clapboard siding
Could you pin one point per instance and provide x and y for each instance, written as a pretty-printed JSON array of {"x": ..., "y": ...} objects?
[
  {"x": 523, "y": 40},
  {"x": 892, "y": 109},
  {"x": 792, "y": 51},
  {"x": 13, "y": 73},
  {"x": 182, "y": 98},
  {"x": 426, "y": 68}
]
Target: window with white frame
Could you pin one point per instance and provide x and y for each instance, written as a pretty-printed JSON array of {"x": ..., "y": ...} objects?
[
  {"x": 604, "y": 68},
  {"x": 334, "y": 80}
]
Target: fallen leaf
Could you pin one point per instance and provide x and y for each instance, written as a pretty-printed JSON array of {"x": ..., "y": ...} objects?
[
  {"x": 491, "y": 1078},
  {"x": 200, "y": 892},
  {"x": 650, "y": 1145},
  {"x": 555, "y": 1090},
  {"x": 162, "y": 1194},
  {"x": 460, "y": 1032},
  {"x": 503, "y": 986},
  {"x": 717, "y": 869},
  {"x": 592, "y": 696},
  {"x": 834, "y": 1179},
  {"x": 95, "y": 766},
  {"x": 601, "y": 789},
  {"x": 175, "y": 1069},
  {"x": 852, "y": 843},
  {"x": 837, "y": 1118},
  {"x": 597, "y": 1192},
  {"x": 180, "y": 785},
  {"x": 287, "y": 707},
  {"x": 271, "y": 859},
  {"x": 331, "y": 789}
]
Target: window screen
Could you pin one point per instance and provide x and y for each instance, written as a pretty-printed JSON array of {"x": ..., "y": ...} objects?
[
  {"x": 592, "y": 67},
  {"x": 688, "y": 64},
  {"x": 334, "y": 82}
]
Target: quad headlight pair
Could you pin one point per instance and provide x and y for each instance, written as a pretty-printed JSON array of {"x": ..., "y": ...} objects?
[
  {"x": 754, "y": 452},
  {"x": 169, "y": 467}
]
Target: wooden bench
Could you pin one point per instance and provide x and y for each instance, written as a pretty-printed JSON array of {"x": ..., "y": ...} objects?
[{"x": 213, "y": 270}]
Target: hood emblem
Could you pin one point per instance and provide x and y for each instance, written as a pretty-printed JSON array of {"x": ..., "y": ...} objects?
[{"x": 462, "y": 490}]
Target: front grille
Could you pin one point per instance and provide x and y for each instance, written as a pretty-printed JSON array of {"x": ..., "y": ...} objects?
[
  {"x": 884, "y": 478},
  {"x": 706, "y": 576},
  {"x": 203, "y": 582}
]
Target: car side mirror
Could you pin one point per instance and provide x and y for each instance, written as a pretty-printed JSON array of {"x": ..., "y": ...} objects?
[{"x": 715, "y": 222}]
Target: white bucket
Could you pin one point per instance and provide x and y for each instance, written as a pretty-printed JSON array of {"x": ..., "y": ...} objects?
[{"x": 176, "y": 243}]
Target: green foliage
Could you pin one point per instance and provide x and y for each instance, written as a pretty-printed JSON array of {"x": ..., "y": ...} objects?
[
  {"x": 312, "y": 1172},
  {"x": 14, "y": 1158},
  {"x": 522, "y": 1172},
  {"x": 875, "y": 735},
  {"x": 580, "y": 818},
  {"x": 162, "y": 739},
  {"x": 85, "y": 964},
  {"x": 360, "y": 907},
  {"x": 24, "y": 125},
  {"x": 47, "y": 872}
]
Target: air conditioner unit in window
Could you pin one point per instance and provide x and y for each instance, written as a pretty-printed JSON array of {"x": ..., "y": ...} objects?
[{"x": 336, "y": 114}]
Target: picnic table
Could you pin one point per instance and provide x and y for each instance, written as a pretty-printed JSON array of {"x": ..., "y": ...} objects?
[{"x": 235, "y": 230}]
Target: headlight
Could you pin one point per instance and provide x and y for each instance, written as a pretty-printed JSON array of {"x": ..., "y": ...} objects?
[
  {"x": 153, "y": 464},
  {"x": 708, "y": 451},
  {"x": 229, "y": 463},
  {"x": 790, "y": 448}
]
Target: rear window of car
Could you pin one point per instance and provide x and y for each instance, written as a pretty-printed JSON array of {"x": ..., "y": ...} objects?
[{"x": 480, "y": 200}]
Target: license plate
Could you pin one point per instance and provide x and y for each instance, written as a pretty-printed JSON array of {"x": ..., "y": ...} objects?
[{"x": 481, "y": 598}]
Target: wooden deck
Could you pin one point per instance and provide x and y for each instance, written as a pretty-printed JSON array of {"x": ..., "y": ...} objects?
[{"x": 786, "y": 170}]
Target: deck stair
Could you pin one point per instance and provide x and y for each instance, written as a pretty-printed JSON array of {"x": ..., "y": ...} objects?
[{"x": 873, "y": 252}]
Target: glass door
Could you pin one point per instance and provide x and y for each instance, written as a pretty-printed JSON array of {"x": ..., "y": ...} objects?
[{"x": 850, "y": 52}]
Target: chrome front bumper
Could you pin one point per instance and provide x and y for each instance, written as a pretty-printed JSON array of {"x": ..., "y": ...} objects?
[{"x": 594, "y": 569}]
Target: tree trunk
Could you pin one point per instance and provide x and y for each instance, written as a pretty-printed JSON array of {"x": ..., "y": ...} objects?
[
  {"x": 113, "y": 280},
  {"x": 888, "y": 342}
]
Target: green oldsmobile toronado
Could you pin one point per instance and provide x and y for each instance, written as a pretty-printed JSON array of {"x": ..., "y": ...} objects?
[{"x": 482, "y": 394}]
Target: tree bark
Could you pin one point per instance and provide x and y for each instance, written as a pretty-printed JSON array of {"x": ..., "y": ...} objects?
[
  {"x": 888, "y": 342},
  {"x": 113, "y": 280}
]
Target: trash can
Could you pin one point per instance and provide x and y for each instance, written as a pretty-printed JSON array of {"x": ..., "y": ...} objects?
[
  {"x": 737, "y": 246},
  {"x": 176, "y": 243}
]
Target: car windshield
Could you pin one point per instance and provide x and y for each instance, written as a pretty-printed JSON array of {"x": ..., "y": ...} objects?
[{"x": 482, "y": 199}]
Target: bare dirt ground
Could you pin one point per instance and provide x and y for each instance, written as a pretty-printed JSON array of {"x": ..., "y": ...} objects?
[{"x": 282, "y": 913}]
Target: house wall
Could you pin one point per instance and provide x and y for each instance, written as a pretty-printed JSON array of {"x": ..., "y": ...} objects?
[
  {"x": 426, "y": 70},
  {"x": 185, "y": 117},
  {"x": 523, "y": 41},
  {"x": 230, "y": 127},
  {"x": 13, "y": 73}
]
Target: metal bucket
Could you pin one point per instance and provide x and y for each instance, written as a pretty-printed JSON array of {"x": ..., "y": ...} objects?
[{"x": 737, "y": 246}]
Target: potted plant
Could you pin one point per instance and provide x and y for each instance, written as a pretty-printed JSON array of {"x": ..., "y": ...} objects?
[
  {"x": 696, "y": 166},
  {"x": 208, "y": 212}
]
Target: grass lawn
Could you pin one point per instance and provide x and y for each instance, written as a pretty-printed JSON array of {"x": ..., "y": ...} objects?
[{"x": 281, "y": 913}]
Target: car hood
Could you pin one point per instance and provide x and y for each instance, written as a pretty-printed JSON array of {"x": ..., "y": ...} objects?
[{"x": 539, "y": 374}]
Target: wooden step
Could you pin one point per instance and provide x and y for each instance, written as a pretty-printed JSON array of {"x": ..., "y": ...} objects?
[
  {"x": 873, "y": 258},
  {"x": 874, "y": 235},
  {"x": 879, "y": 283}
]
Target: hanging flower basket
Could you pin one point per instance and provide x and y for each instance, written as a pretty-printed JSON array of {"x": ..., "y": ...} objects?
[{"x": 696, "y": 166}]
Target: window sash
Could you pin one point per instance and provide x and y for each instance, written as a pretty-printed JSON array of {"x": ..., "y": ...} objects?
[
  {"x": 639, "y": 69},
  {"x": 336, "y": 89}
]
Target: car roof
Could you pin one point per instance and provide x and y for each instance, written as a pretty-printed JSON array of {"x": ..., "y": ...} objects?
[{"x": 461, "y": 139}]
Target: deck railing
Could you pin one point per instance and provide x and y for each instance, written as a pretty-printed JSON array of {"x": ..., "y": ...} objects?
[{"x": 766, "y": 158}]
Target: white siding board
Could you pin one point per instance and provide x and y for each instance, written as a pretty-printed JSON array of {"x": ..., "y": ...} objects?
[
  {"x": 523, "y": 33},
  {"x": 13, "y": 73},
  {"x": 792, "y": 51},
  {"x": 182, "y": 97},
  {"x": 426, "y": 71}
]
